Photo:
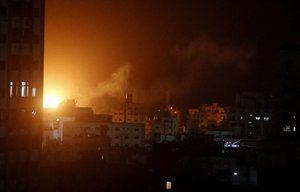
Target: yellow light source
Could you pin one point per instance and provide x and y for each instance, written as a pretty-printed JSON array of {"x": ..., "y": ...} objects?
[
  {"x": 51, "y": 101},
  {"x": 168, "y": 185}
]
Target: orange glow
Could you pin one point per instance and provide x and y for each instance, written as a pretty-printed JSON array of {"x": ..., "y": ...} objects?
[{"x": 51, "y": 100}]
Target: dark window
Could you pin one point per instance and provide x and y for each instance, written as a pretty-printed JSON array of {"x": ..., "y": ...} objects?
[
  {"x": 26, "y": 62},
  {"x": 2, "y": 38},
  {"x": 14, "y": 62},
  {"x": 36, "y": 12},
  {"x": 16, "y": 8},
  {"x": 27, "y": 36},
  {"x": 36, "y": 39},
  {"x": 27, "y": 23},
  {"x": 16, "y": 35},
  {"x": 35, "y": 64},
  {"x": 2, "y": 92},
  {"x": 3, "y": 11},
  {"x": 27, "y": 9},
  {"x": 2, "y": 65}
]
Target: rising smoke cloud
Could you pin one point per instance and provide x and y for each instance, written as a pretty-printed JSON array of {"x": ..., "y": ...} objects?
[
  {"x": 202, "y": 69},
  {"x": 109, "y": 92}
]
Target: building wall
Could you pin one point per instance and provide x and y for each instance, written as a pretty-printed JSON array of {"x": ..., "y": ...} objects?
[
  {"x": 288, "y": 91},
  {"x": 91, "y": 135},
  {"x": 255, "y": 117},
  {"x": 211, "y": 115},
  {"x": 21, "y": 93},
  {"x": 128, "y": 112}
]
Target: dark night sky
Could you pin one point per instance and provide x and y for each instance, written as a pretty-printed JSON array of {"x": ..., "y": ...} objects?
[{"x": 197, "y": 51}]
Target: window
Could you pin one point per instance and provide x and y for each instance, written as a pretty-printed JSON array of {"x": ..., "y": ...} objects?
[
  {"x": 36, "y": 12},
  {"x": 16, "y": 8},
  {"x": 2, "y": 38},
  {"x": 15, "y": 35},
  {"x": 11, "y": 89},
  {"x": 23, "y": 88},
  {"x": 3, "y": 11},
  {"x": 266, "y": 118},
  {"x": 14, "y": 62},
  {"x": 27, "y": 9},
  {"x": 36, "y": 39},
  {"x": 33, "y": 91},
  {"x": 27, "y": 35},
  {"x": 2, "y": 92},
  {"x": 35, "y": 64},
  {"x": 2, "y": 65}
]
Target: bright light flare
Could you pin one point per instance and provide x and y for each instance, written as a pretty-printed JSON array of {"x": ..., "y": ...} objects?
[{"x": 51, "y": 101}]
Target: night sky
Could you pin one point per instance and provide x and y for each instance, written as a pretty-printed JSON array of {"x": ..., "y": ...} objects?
[{"x": 194, "y": 51}]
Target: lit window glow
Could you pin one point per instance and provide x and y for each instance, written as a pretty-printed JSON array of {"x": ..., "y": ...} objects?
[
  {"x": 286, "y": 128},
  {"x": 34, "y": 92},
  {"x": 168, "y": 185},
  {"x": 266, "y": 118}
]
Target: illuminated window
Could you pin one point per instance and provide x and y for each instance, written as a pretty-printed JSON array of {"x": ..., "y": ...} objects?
[
  {"x": 235, "y": 173},
  {"x": 168, "y": 185},
  {"x": 287, "y": 128},
  {"x": 266, "y": 118},
  {"x": 33, "y": 92},
  {"x": 11, "y": 88},
  {"x": 23, "y": 88},
  {"x": 294, "y": 129},
  {"x": 27, "y": 88},
  {"x": 257, "y": 118}
]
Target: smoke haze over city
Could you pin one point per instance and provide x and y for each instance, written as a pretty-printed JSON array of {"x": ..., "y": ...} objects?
[{"x": 96, "y": 51}]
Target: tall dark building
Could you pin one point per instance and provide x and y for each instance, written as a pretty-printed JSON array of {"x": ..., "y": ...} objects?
[
  {"x": 21, "y": 93},
  {"x": 288, "y": 90}
]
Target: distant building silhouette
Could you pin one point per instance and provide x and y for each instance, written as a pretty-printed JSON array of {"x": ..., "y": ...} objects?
[
  {"x": 254, "y": 115},
  {"x": 21, "y": 93},
  {"x": 288, "y": 90}
]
